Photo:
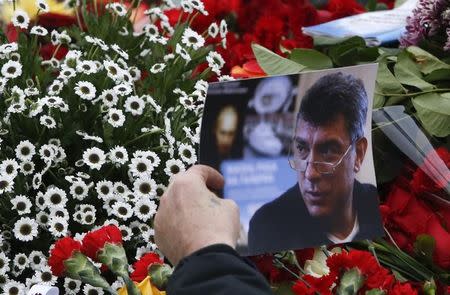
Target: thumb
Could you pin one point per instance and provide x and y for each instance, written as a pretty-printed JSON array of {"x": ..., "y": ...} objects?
[{"x": 211, "y": 177}]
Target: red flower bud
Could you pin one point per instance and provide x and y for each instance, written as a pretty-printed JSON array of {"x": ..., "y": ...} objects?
[
  {"x": 63, "y": 250},
  {"x": 94, "y": 241},
  {"x": 141, "y": 266}
]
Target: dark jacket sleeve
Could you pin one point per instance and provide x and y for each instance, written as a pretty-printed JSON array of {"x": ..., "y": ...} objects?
[{"x": 217, "y": 270}]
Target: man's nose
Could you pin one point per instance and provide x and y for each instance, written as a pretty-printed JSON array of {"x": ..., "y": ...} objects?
[{"x": 311, "y": 172}]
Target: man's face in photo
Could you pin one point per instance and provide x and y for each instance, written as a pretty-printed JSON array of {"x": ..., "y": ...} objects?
[
  {"x": 226, "y": 129},
  {"x": 325, "y": 194}
]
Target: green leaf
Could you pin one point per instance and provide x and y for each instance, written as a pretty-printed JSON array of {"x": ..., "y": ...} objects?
[
  {"x": 159, "y": 275},
  {"x": 438, "y": 75},
  {"x": 325, "y": 40},
  {"x": 433, "y": 110},
  {"x": 284, "y": 288},
  {"x": 424, "y": 247},
  {"x": 399, "y": 277},
  {"x": 386, "y": 81},
  {"x": 351, "y": 281},
  {"x": 273, "y": 64},
  {"x": 375, "y": 292},
  {"x": 426, "y": 61},
  {"x": 378, "y": 99},
  {"x": 408, "y": 73},
  {"x": 344, "y": 53},
  {"x": 311, "y": 58},
  {"x": 429, "y": 288}
]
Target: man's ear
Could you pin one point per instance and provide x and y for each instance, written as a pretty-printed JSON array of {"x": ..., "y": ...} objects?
[{"x": 361, "y": 148}]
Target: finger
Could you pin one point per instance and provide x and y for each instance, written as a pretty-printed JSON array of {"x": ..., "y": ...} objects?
[{"x": 211, "y": 177}]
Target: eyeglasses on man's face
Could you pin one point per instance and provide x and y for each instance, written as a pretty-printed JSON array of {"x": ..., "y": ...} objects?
[{"x": 330, "y": 158}]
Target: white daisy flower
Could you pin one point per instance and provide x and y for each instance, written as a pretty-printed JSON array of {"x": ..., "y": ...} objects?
[
  {"x": 27, "y": 167},
  {"x": 66, "y": 73},
  {"x": 152, "y": 102},
  {"x": 55, "y": 88},
  {"x": 152, "y": 156},
  {"x": 87, "y": 67},
  {"x": 20, "y": 19},
  {"x": 213, "y": 30},
  {"x": 58, "y": 226},
  {"x": 160, "y": 190},
  {"x": 40, "y": 201},
  {"x": 117, "y": 8},
  {"x": 144, "y": 209},
  {"x": 223, "y": 29},
  {"x": 21, "y": 261},
  {"x": 182, "y": 52},
  {"x": 140, "y": 167},
  {"x": 169, "y": 30},
  {"x": 187, "y": 153},
  {"x": 186, "y": 6},
  {"x": 215, "y": 61},
  {"x": 87, "y": 218},
  {"x": 9, "y": 167},
  {"x": 97, "y": 41},
  {"x": 192, "y": 39},
  {"x": 174, "y": 166},
  {"x": 31, "y": 91},
  {"x": 104, "y": 189},
  {"x": 47, "y": 152},
  {"x": 150, "y": 30},
  {"x": 120, "y": 51},
  {"x": 157, "y": 68},
  {"x": 115, "y": 117},
  {"x": 187, "y": 102},
  {"x": 90, "y": 290},
  {"x": 42, "y": 5},
  {"x": 123, "y": 31},
  {"x": 21, "y": 204},
  {"x": 145, "y": 187},
  {"x": 3, "y": 82},
  {"x": 197, "y": 5},
  {"x": 109, "y": 202},
  {"x": 6, "y": 184},
  {"x": 79, "y": 190},
  {"x": 122, "y": 210},
  {"x": 134, "y": 105},
  {"x": 38, "y": 30},
  {"x": 127, "y": 234},
  {"x": 54, "y": 37},
  {"x": 11, "y": 69},
  {"x": 118, "y": 155},
  {"x": 47, "y": 121},
  {"x": 109, "y": 97},
  {"x": 85, "y": 90},
  {"x": 123, "y": 89},
  {"x": 59, "y": 212},
  {"x": 225, "y": 78},
  {"x": 37, "y": 180},
  {"x": 25, "y": 229},
  {"x": 4, "y": 263},
  {"x": 8, "y": 48},
  {"x": 55, "y": 197},
  {"x": 135, "y": 73},
  {"x": 64, "y": 37},
  {"x": 113, "y": 70},
  {"x": 45, "y": 276},
  {"x": 94, "y": 158},
  {"x": 37, "y": 259},
  {"x": 71, "y": 286},
  {"x": 13, "y": 288},
  {"x": 120, "y": 188},
  {"x": 169, "y": 57}
]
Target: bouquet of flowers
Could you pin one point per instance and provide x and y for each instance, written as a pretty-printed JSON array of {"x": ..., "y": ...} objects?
[{"x": 92, "y": 130}]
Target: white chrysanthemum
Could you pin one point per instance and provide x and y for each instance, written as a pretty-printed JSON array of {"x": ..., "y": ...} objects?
[
  {"x": 123, "y": 89},
  {"x": 71, "y": 286},
  {"x": 37, "y": 180},
  {"x": 47, "y": 121},
  {"x": 40, "y": 201},
  {"x": 47, "y": 152},
  {"x": 192, "y": 39},
  {"x": 55, "y": 197},
  {"x": 174, "y": 166},
  {"x": 11, "y": 69},
  {"x": 79, "y": 190},
  {"x": 58, "y": 226},
  {"x": 97, "y": 41},
  {"x": 9, "y": 168},
  {"x": 187, "y": 102},
  {"x": 135, "y": 73},
  {"x": 51, "y": 101},
  {"x": 215, "y": 61},
  {"x": 104, "y": 189},
  {"x": 152, "y": 102},
  {"x": 13, "y": 288},
  {"x": 134, "y": 105},
  {"x": 21, "y": 204},
  {"x": 213, "y": 30},
  {"x": 120, "y": 51},
  {"x": 150, "y": 30},
  {"x": 38, "y": 30},
  {"x": 127, "y": 234},
  {"x": 85, "y": 90},
  {"x": 90, "y": 290},
  {"x": 140, "y": 167},
  {"x": 37, "y": 259},
  {"x": 157, "y": 68},
  {"x": 144, "y": 209},
  {"x": 21, "y": 261},
  {"x": 4, "y": 263},
  {"x": 20, "y": 19},
  {"x": 8, "y": 48},
  {"x": 120, "y": 188},
  {"x": 25, "y": 229},
  {"x": 160, "y": 190},
  {"x": 115, "y": 117},
  {"x": 27, "y": 167},
  {"x": 45, "y": 276},
  {"x": 223, "y": 29},
  {"x": 66, "y": 73},
  {"x": 42, "y": 5},
  {"x": 113, "y": 70},
  {"x": 109, "y": 97},
  {"x": 118, "y": 155},
  {"x": 187, "y": 153},
  {"x": 94, "y": 158},
  {"x": 117, "y": 8},
  {"x": 87, "y": 218},
  {"x": 225, "y": 78},
  {"x": 59, "y": 212},
  {"x": 87, "y": 67},
  {"x": 145, "y": 187},
  {"x": 122, "y": 210},
  {"x": 182, "y": 52},
  {"x": 152, "y": 156},
  {"x": 31, "y": 91}
]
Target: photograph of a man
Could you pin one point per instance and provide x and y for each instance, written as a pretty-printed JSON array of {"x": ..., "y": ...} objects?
[{"x": 327, "y": 205}]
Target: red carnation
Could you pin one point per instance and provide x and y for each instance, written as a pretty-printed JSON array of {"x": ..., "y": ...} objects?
[
  {"x": 310, "y": 285},
  {"x": 95, "y": 241},
  {"x": 403, "y": 289},
  {"x": 141, "y": 266},
  {"x": 62, "y": 251}
]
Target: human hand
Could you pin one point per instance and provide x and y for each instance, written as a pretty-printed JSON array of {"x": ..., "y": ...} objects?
[{"x": 191, "y": 216}]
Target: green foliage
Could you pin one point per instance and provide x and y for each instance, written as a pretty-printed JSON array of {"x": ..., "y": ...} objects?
[{"x": 351, "y": 281}]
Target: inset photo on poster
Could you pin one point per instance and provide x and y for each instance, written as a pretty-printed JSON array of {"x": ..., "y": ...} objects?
[{"x": 296, "y": 155}]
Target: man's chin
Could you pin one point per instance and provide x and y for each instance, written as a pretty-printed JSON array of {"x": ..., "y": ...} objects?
[{"x": 318, "y": 211}]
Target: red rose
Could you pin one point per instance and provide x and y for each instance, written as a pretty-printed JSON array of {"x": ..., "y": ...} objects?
[
  {"x": 62, "y": 251},
  {"x": 402, "y": 289},
  {"x": 94, "y": 241},
  {"x": 141, "y": 266}
]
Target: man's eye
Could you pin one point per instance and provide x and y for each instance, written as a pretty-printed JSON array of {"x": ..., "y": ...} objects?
[{"x": 302, "y": 151}]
